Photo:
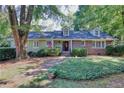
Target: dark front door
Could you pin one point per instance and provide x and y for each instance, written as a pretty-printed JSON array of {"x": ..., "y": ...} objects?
[{"x": 65, "y": 46}]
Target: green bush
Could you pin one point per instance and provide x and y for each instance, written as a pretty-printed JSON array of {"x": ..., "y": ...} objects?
[
  {"x": 54, "y": 52},
  {"x": 86, "y": 69},
  {"x": 79, "y": 52},
  {"x": 109, "y": 50},
  {"x": 7, "y": 53},
  {"x": 32, "y": 54},
  {"x": 42, "y": 52},
  {"x": 49, "y": 52},
  {"x": 117, "y": 50}
]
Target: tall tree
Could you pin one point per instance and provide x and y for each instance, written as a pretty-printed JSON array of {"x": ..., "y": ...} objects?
[
  {"x": 21, "y": 22},
  {"x": 18, "y": 27}
]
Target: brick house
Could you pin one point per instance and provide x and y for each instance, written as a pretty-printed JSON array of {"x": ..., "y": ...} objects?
[{"x": 95, "y": 41}]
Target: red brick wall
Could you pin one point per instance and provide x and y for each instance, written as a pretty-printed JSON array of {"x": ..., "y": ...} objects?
[{"x": 95, "y": 51}]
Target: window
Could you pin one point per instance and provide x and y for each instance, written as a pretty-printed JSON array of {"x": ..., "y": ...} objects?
[
  {"x": 36, "y": 44},
  {"x": 103, "y": 44},
  {"x": 97, "y": 33},
  {"x": 66, "y": 33},
  {"x": 99, "y": 44}
]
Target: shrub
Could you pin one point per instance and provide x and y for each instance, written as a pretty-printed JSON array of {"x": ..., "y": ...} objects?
[
  {"x": 49, "y": 52},
  {"x": 54, "y": 52},
  {"x": 7, "y": 53},
  {"x": 79, "y": 52},
  {"x": 86, "y": 69},
  {"x": 42, "y": 52},
  {"x": 117, "y": 50},
  {"x": 109, "y": 50},
  {"x": 32, "y": 54}
]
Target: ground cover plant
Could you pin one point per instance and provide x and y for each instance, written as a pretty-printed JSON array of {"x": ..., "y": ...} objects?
[{"x": 87, "y": 68}]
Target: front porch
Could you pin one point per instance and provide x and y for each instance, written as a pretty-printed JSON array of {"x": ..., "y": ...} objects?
[
  {"x": 67, "y": 45},
  {"x": 64, "y": 45}
]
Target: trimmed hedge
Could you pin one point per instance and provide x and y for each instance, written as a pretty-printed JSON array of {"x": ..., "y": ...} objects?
[
  {"x": 79, "y": 52},
  {"x": 86, "y": 68},
  {"x": 49, "y": 52},
  {"x": 117, "y": 50},
  {"x": 7, "y": 53},
  {"x": 54, "y": 52}
]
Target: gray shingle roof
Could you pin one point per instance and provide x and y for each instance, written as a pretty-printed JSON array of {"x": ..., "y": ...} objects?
[{"x": 72, "y": 35}]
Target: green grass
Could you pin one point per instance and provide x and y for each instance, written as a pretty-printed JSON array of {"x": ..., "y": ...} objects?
[{"x": 87, "y": 68}]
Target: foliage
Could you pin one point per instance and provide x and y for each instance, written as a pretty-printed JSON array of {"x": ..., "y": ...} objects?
[
  {"x": 4, "y": 29},
  {"x": 54, "y": 52},
  {"x": 22, "y": 17},
  {"x": 32, "y": 54},
  {"x": 109, "y": 49},
  {"x": 42, "y": 52},
  {"x": 109, "y": 18},
  {"x": 87, "y": 69},
  {"x": 79, "y": 52},
  {"x": 7, "y": 53},
  {"x": 49, "y": 52},
  {"x": 117, "y": 50}
]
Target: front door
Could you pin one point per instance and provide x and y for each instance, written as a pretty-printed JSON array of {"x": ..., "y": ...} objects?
[{"x": 65, "y": 45}]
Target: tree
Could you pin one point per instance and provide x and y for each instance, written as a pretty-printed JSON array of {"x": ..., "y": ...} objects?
[
  {"x": 21, "y": 27},
  {"x": 21, "y": 22},
  {"x": 109, "y": 18}
]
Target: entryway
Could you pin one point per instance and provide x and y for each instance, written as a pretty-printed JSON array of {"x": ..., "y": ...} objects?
[{"x": 65, "y": 46}]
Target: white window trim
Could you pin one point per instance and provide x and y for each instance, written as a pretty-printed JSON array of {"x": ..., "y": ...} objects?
[
  {"x": 66, "y": 34},
  {"x": 34, "y": 44},
  {"x": 100, "y": 45}
]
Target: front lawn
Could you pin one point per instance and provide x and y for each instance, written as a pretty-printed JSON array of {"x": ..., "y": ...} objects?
[
  {"x": 88, "y": 68},
  {"x": 92, "y": 67}
]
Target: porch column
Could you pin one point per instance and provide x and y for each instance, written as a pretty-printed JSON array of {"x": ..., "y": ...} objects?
[
  {"x": 52, "y": 43},
  {"x": 71, "y": 45}
]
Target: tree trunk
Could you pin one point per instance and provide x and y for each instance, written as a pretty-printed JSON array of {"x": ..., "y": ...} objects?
[
  {"x": 13, "y": 22},
  {"x": 19, "y": 34}
]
